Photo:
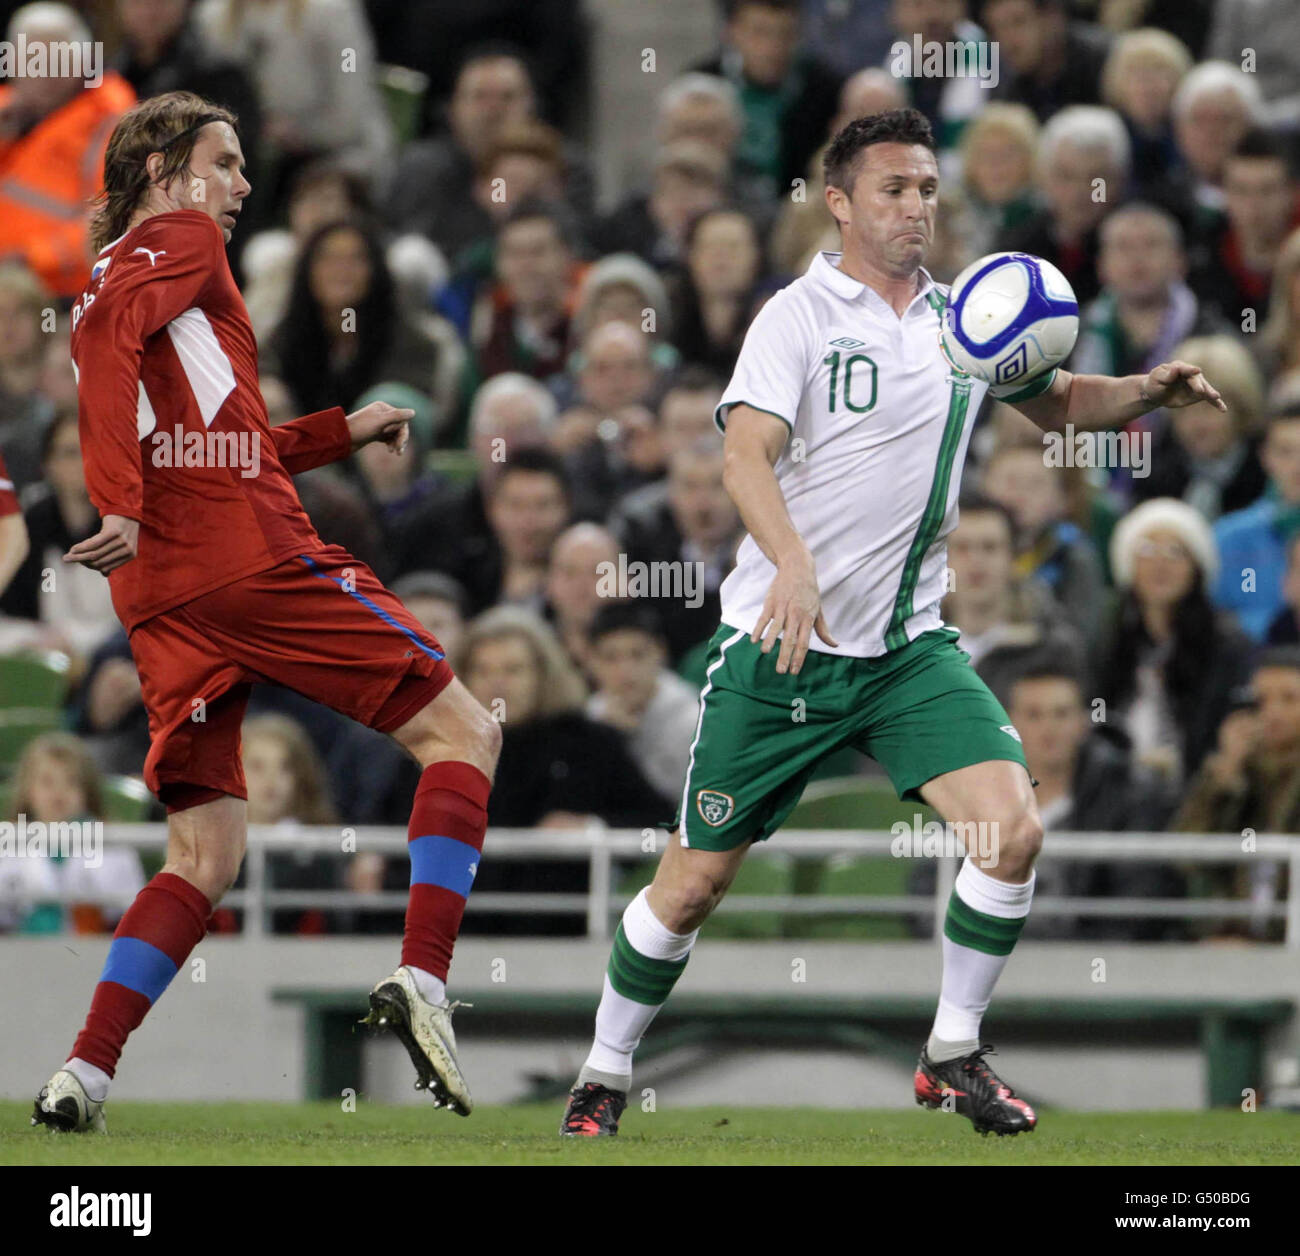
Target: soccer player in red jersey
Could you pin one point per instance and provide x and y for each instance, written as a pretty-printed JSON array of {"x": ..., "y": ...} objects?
[{"x": 221, "y": 581}]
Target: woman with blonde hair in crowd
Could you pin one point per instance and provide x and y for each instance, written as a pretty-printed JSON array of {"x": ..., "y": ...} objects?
[
  {"x": 558, "y": 768},
  {"x": 286, "y": 788},
  {"x": 1205, "y": 456},
  {"x": 1141, "y": 75},
  {"x": 57, "y": 783},
  {"x": 999, "y": 148}
]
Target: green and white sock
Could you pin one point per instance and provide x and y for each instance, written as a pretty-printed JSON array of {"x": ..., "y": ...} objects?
[
  {"x": 984, "y": 920},
  {"x": 644, "y": 965}
]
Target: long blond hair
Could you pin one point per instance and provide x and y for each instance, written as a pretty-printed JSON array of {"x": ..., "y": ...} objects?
[{"x": 68, "y": 751}]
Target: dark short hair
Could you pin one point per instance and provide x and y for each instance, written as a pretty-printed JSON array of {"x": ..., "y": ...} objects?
[
  {"x": 625, "y": 615},
  {"x": 539, "y": 460},
  {"x": 732, "y": 7},
  {"x": 557, "y": 215},
  {"x": 973, "y": 502},
  {"x": 1041, "y": 664},
  {"x": 1261, "y": 144},
  {"x": 1277, "y": 656},
  {"x": 894, "y": 126},
  {"x": 432, "y": 584}
]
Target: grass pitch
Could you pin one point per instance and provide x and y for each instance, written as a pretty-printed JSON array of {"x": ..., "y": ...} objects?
[{"x": 319, "y": 1133}]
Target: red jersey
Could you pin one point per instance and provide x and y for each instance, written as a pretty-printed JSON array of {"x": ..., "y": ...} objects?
[
  {"x": 8, "y": 494},
  {"x": 174, "y": 431}
]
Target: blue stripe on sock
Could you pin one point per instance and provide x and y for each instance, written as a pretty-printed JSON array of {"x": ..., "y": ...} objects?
[
  {"x": 139, "y": 966},
  {"x": 443, "y": 861},
  {"x": 371, "y": 606}
]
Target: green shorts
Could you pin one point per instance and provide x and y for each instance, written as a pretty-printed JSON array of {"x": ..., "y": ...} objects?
[{"x": 919, "y": 711}]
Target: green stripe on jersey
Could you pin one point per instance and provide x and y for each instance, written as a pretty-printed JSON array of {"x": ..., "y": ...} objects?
[
  {"x": 639, "y": 977},
  {"x": 935, "y": 509}
]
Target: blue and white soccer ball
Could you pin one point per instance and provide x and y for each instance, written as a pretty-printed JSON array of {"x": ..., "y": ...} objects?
[{"x": 1009, "y": 318}]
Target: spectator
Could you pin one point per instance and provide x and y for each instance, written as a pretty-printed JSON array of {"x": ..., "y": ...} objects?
[
  {"x": 522, "y": 322},
  {"x": 1252, "y": 782},
  {"x": 1167, "y": 660},
  {"x": 1087, "y": 783},
  {"x": 439, "y": 603},
  {"x": 804, "y": 225},
  {"x": 53, "y": 133},
  {"x": 609, "y": 435},
  {"x": 689, "y": 179},
  {"x": 654, "y": 709},
  {"x": 558, "y": 769},
  {"x": 949, "y": 102},
  {"x": 1080, "y": 146},
  {"x": 621, "y": 288},
  {"x": 107, "y": 711},
  {"x": 1252, "y": 541},
  {"x": 1271, "y": 29},
  {"x": 1049, "y": 549},
  {"x": 986, "y": 603},
  {"x": 291, "y": 49},
  {"x": 787, "y": 97},
  {"x": 25, "y": 411},
  {"x": 528, "y": 508},
  {"x": 998, "y": 150},
  {"x": 685, "y": 418},
  {"x": 397, "y": 484},
  {"x": 286, "y": 789},
  {"x": 714, "y": 295},
  {"x": 57, "y": 782},
  {"x": 162, "y": 50},
  {"x": 450, "y": 531},
  {"x": 1139, "y": 81},
  {"x": 345, "y": 329},
  {"x": 1260, "y": 211},
  {"x": 1279, "y": 339},
  {"x": 1285, "y": 628},
  {"x": 74, "y": 611},
  {"x": 573, "y": 585},
  {"x": 1214, "y": 106},
  {"x": 14, "y": 542},
  {"x": 320, "y": 193},
  {"x": 1049, "y": 61},
  {"x": 429, "y": 189},
  {"x": 1208, "y": 457},
  {"x": 696, "y": 531}
]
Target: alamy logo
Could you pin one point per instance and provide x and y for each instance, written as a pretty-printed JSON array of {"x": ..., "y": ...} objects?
[
  {"x": 241, "y": 451},
  {"x": 131, "y": 1210},
  {"x": 22, "y": 838}
]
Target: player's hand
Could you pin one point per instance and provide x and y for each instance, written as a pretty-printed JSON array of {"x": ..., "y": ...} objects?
[
  {"x": 1175, "y": 384},
  {"x": 793, "y": 612},
  {"x": 114, "y": 544},
  {"x": 380, "y": 421}
]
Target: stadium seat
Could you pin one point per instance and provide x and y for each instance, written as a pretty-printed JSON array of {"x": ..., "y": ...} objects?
[
  {"x": 33, "y": 686},
  {"x": 856, "y": 803}
]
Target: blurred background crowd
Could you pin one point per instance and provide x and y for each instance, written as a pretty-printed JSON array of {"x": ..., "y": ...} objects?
[{"x": 425, "y": 167}]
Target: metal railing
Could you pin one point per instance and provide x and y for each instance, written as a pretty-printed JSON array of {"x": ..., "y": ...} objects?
[{"x": 603, "y": 848}]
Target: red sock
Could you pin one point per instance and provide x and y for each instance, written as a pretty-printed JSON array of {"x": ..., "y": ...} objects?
[
  {"x": 160, "y": 929},
  {"x": 444, "y": 840}
]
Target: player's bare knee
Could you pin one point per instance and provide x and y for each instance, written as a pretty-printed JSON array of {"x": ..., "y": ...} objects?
[
  {"x": 1020, "y": 840},
  {"x": 688, "y": 899}
]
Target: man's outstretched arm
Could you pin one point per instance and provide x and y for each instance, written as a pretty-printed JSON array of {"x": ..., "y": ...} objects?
[
  {"x": 1090, "y": 403},
  {"x": 326, "y": 436}
]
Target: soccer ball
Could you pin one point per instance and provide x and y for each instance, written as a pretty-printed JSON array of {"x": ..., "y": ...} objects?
[{"x": 1009, "y": 318}]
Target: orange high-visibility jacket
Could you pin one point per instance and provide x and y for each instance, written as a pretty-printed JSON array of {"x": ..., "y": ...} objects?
[{"x": 47, "y": 179}]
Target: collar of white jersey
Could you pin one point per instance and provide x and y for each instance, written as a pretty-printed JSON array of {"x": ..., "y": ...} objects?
[{"x": 825, "y": 270}]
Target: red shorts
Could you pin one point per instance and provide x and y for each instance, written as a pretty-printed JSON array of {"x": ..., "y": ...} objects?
[{"x": 321, "y": 624}]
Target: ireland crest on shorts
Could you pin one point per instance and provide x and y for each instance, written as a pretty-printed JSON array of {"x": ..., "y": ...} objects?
[{"x": 715, "y": 808}]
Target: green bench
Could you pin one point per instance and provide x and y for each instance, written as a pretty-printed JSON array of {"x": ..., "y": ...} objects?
[{"x": 1230, "y": 1032}]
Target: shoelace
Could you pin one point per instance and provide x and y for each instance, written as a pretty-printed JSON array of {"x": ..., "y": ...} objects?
[{"x": 977, "y": 1066}]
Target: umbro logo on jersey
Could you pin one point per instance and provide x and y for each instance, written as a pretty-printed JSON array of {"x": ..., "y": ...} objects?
[
  {"x": 153, "y": 257},
  {"x": 1010, "y": 731},
  {"x": 847, "y": 342}
]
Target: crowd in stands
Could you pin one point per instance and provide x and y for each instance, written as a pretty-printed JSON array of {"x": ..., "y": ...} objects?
[{"x": 443, "y": 248}]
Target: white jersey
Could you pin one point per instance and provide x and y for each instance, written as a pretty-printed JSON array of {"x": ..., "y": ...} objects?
[{"x": 879, "y": 424}]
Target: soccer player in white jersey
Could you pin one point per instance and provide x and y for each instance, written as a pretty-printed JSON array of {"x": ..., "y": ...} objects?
[{"x": 846, "y": 429}]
